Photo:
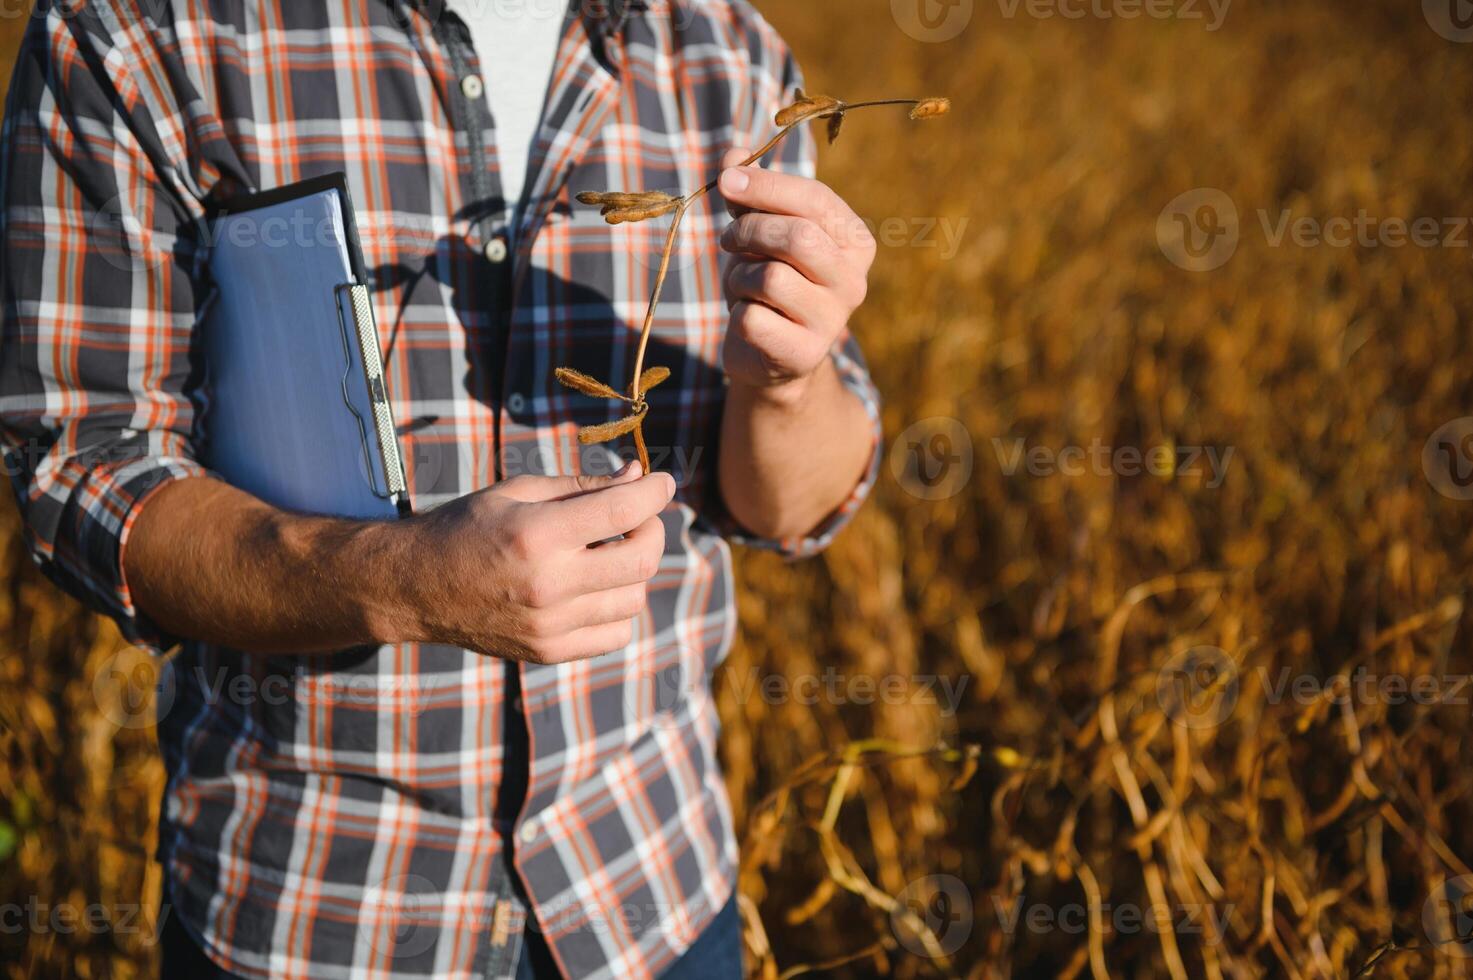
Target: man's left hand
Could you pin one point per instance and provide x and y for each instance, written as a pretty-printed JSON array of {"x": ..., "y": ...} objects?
[{"x": 800, "y": 269}]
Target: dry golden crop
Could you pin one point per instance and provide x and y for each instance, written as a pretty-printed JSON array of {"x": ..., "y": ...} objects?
[{"x": 1292, "y": 821}]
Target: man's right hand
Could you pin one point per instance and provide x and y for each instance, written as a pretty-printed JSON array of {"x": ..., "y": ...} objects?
[
  {"x": 524, "y": 569},
  {"x": 518, "y": 570}
]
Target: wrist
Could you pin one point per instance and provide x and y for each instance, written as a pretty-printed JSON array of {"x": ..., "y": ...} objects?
[
  {"x": 371, "y": 569},
  {"x": 395, "y": 602},
  {"x": 792, "y": 396}
]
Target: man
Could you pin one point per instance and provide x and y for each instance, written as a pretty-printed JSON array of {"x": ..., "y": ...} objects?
[{"x": 495, "y": 750}]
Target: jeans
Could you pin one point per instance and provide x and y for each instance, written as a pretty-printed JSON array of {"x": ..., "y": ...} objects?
[
  {"x": 180, "y": 957},
  {"x": 715, "y": 955}
]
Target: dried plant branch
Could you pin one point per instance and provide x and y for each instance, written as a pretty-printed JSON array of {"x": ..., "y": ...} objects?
[
  {"x": 799, "y": 970},
  {"x": 621, "y": 207},
  {"x": 841, "y": 768}
]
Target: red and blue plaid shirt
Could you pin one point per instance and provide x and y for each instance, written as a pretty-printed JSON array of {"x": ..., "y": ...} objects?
[{"x": 338, "y": 816}]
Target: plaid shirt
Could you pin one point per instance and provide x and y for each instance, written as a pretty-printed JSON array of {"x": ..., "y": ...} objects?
[{"x": 337, "y": 816}]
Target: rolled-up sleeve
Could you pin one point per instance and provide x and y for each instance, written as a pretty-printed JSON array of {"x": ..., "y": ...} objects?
[
  {"x": 97, "y": 366},
  {"x": 775, "y": 80}
]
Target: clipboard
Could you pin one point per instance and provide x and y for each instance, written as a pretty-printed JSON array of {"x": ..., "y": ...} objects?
[{"x": 297, "y": 409}]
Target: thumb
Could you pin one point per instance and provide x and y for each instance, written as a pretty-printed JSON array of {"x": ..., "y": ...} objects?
[
  {"x": 539, "y": 489},
  {"x": 732, "y": 158}
]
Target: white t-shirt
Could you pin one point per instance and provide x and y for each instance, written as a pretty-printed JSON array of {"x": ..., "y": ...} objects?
[{"x": 516, "y": 42}]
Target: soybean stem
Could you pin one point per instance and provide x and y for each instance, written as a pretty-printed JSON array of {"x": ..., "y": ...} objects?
[
  {"x": 685, "y": 203},
  {"x": 700, "y": 192},
  {"x": 681, "y": 208}
]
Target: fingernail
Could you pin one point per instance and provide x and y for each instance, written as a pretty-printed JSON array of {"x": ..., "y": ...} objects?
[
  {"x": 632, "y": 470},
  {"x": 734, "y": 181}
]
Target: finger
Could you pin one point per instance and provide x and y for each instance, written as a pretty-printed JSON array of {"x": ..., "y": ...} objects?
[
  {"x": 797, "y": 241},
  {"x": 772, "y": 346},
  {"x": 536, "y": 489},
  {"x": 600, "y": 608},
  {"x": 593, "y": 641},
  {"x": 633, "y": 560},
  {"x": 785, "y": 289},
  {"x": 734, "y": 156},
  {"x": 588, "y": 517},
  {"x": 731, "y": 158},
  {"x": 801, "y": 197}
]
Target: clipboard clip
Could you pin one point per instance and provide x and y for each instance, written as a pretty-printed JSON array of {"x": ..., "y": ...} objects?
[{"x": 360, "y": 336}]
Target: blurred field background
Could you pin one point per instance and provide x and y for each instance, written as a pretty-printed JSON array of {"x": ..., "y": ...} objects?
[{"x": 1129, "y": 643}]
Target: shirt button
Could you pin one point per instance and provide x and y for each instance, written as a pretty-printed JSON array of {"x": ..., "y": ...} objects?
[
  {"x": 528, "y": 833},
  {"x": 472, "y": 87},
  {"x": 516, "y": 403},
  {"x": 496, "y": 250}
]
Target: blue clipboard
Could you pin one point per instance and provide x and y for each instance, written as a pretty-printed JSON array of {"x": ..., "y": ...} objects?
[{"x": 297, "y": 411}]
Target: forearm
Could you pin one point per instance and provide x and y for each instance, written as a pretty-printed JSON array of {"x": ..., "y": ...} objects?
[
  {"x": 213, "y": 563},
  {"x": 788, "y": 459}
]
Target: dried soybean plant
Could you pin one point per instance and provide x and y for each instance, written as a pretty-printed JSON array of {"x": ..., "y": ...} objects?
[{"x": 625, "y": 207}]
